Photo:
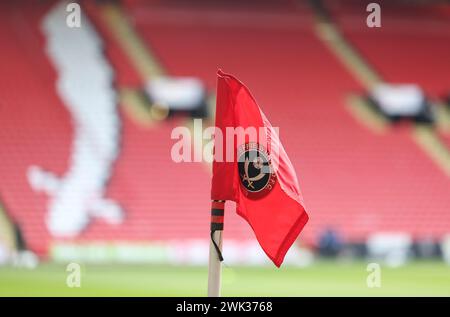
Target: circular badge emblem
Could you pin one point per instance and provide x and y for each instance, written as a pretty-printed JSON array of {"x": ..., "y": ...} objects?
[{"x": 255, "y": 170}]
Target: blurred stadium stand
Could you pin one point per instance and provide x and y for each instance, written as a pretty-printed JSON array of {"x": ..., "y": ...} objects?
[{"x": 355, "y": 180}]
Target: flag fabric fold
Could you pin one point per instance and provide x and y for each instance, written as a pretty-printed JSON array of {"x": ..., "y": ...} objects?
[{"x": 252, "y": 168}]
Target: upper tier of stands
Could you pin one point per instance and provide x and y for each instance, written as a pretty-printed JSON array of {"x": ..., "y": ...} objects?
[{"x": 352, "y": 179}]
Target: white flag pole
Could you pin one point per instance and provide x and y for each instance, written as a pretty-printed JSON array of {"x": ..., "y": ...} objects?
[{"x": 215, "y": 248}]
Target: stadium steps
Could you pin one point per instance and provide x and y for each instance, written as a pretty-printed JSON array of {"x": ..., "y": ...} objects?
[{"x": 352, "y": 179}]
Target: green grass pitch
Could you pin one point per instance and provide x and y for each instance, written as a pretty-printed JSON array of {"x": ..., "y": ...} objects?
[{"x": 320, "y": 279}]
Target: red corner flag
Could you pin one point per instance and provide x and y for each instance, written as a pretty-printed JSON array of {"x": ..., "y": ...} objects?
[{"x": 255, "y": 171}]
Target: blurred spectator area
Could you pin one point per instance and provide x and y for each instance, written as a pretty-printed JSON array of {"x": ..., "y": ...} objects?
[{"x": 354, "y": 179}]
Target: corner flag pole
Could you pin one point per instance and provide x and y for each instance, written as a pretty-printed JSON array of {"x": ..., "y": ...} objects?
[{"x": 215, "y": 248}]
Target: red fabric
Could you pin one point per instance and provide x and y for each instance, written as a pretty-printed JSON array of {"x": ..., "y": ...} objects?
[{"x": 277, "y": 217}]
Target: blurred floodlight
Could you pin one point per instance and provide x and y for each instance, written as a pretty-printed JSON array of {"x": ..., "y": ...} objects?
[
  {"x": 176, "y": 93},
  {"x": 399, "y": 100}
]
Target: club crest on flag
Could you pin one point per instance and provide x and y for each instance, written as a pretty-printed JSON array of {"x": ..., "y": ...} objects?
[{"x": 255, "y": 170}]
